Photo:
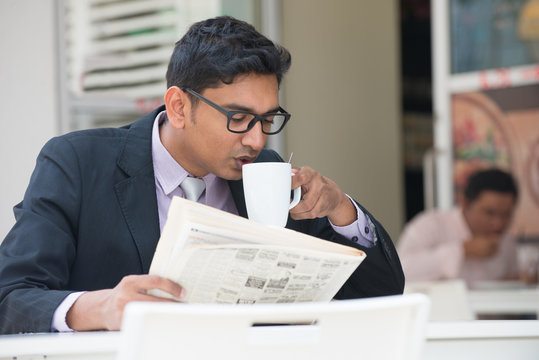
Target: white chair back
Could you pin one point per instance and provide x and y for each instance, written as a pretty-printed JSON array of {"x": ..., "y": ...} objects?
[{"x": 390, "y": 328}]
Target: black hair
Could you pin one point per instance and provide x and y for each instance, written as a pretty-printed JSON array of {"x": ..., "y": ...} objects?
[
  {"x": 491, "y": 179},
  {"x": 217, "y": 50}
]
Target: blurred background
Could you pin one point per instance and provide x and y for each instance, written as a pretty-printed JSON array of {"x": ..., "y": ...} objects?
[{"x": 394, "y": 100}]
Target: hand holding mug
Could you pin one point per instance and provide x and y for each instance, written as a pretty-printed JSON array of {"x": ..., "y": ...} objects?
[{"x": 321, "y": 197}]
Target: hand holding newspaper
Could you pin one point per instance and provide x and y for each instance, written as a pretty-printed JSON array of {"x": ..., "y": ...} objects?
[{"x": 219, "y": 257}]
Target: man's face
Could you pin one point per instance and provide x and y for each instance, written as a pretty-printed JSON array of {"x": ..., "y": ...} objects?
[
  {"x": 207, "y": 146},
  {"x": 490, "y": 213}
]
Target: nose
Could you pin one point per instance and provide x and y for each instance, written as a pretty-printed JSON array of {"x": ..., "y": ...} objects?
[{"x": 255, "y": 138}]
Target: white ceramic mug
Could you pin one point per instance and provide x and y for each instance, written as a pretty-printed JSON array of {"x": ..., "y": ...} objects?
[{"x": 267, "y": 192}]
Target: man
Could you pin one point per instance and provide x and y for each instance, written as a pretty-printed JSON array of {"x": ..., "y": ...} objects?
[
  {"x": 90, "y": 219},
  {"x": 468, "y": 242}
]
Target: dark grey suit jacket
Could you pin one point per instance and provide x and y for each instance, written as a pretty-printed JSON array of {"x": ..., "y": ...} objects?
[{"x": 89, "y": 217}]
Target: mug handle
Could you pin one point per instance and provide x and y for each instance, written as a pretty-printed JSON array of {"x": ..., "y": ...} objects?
[{"x": 297, "y": 197}]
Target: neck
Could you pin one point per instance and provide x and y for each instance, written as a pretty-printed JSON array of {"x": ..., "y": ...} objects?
[{"x": 175, "y": 143}]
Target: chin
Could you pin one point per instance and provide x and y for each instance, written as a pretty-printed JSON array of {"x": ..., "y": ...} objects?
[{"x": 233, "y": 174}]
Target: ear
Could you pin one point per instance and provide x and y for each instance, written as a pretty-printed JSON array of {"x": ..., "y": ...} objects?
[{"x": 178, "y": 106}]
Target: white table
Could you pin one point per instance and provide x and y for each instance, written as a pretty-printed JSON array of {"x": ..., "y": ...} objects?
[
  {"x": 488, "y": 339},
  {"x": 452, "y": 301},
  {"x": 505, "y": 301},
  {"x": 483, "y": 339},
  {"x": 84, "y": 346}
]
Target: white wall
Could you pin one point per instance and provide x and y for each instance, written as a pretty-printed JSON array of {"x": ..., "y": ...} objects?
[{"x": 28, "y": 101}]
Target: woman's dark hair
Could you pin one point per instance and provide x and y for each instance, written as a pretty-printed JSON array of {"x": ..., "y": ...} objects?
[
  {"x": 493, "y": 180},
  {"x": 215, "y": 51}
]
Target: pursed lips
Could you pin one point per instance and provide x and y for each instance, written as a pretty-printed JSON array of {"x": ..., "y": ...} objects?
[{"x": 243, "y": 160}]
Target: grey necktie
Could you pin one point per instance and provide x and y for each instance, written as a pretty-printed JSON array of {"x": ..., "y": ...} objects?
[{"x": 193, "y": 188}]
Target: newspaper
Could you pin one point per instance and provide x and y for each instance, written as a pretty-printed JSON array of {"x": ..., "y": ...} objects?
[{"x": 223, "y": 258}]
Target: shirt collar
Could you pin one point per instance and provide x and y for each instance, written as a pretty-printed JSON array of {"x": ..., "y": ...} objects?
[{"x": 168, "y": 172}]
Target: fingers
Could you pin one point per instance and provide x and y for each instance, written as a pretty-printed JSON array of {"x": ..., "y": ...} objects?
[
  {"x": 135, "y": 288},
  {"x": 493, "y": 247},
  {"x": 309, "y": 207},
  {"x": 304, "y": 177},
  {"x": 299, "y": 177},
  {"x": 103, "y": 309},
  {"x": 320, "y": 195},
  {"x": 147, "y": 297},
  {"x": 490, "y": 245},
  {"x": 481, "y": 246},
  {"x": 143, "y": 283}
]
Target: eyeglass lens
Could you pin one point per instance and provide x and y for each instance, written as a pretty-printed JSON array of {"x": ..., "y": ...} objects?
[{"x": 244, "y": 121}]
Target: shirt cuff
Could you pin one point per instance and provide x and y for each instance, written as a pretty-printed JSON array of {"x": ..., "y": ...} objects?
[
  {"x": 59, "y": 318},
  {"x": 359, "y": 231}
]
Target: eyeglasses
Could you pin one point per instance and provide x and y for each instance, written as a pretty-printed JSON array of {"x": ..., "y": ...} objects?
[{"x": 242, "y": 121}]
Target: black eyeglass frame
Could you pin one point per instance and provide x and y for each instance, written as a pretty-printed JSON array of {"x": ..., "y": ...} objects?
[{"x": 230, "y": 113}]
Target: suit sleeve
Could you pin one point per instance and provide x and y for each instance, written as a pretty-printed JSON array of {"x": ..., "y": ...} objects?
[
  {"x": 380, "y": 274},
  {"x": 36, "y": 255}
]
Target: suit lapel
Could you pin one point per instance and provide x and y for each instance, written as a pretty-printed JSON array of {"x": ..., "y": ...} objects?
[
  {"x": 136, "y": 194},
  {"x": 236, "y": 188}
]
